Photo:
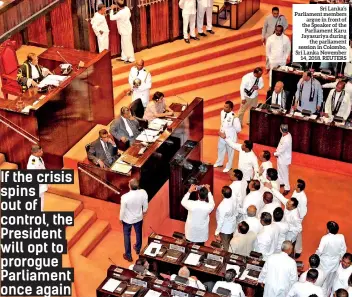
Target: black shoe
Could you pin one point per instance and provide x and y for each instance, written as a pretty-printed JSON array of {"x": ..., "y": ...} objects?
[
  {"x": 137, "y": 252},
  {"x": 211, "y": 31},
  {"x": 129, "y": 259},
  {"x": 195, "y": 38},
  {"x": 127, "y": 62},
  {"x": 202, "y": 34},
  {"x": 187, "y": 40},
  {"x": 297, "y": 255}
]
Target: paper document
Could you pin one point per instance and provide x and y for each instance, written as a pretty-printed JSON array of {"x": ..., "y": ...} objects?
[
  {"x": 146, "y": 138},
  {"x": 159, "y": 121},
  {"x": 152, "y": 293},
  {"x": 313, "y": 117},
  {"x": 52, "y": 80},
  {"x": 150, "y": 132},
  {"x": 151, "y": 246},
  {"x": 111, "y": 285},
  {"x": 235, "y": 267},
  {"x": 123, "y": 168},
  {"x": 193, "y": 259}
]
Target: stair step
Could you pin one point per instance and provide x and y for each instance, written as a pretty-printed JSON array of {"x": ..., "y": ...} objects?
[
  {"x": 55, "y": 202},
  {"x": 91, "y": 238},
  {"x": 66, "y": 263},
  {"x": 8, "y": 166},
  {"x": 82, "y": 223},
  {"x": 2, "y": 158}
]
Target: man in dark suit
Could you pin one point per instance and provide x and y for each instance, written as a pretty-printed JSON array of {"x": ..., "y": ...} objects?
[
  {"x": 125, "y": 128},
  {"x": 278, "y": 95},
  {"x": 103, "y": 151}
]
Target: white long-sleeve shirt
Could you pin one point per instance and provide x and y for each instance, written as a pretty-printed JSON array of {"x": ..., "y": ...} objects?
[
  {"x": 236, "y": 289},
  {"x": 133, "y": 205},
  {"x": 122, "y": 18},
  {"x": 345, "y": 107},
  {"x": 197, "y": 223},
  {"x": 279, "y": 274},
  {"x": 331, "y": 249},
  {"x": 247, "y": 161},
  {"x": 305, "y": 289},
  {"x": 230, "y": 125},
  {"x": 320, "y": 280},
  {"x": 254, "y": 224},
  {"x": 187, "y": 6},
  {"x": 191, "y": 282},
  {"x": 341, "y": 278},
  {"x": 270, "y": 207},
  {"x": 278, "y": 48},
  {"x": 253, "y": 198},
  {"x": 99, "y": 24},
  {"x": 264, "y": 167},
  {"x": 284, "y": 150},
  {"x": 226, "y": 216},
  {"x": 242, "y": 244},
  {"x": 302, "y": 203},
  {"x": 238, "y": 188},
  {"x": 332, "y": 85},
  {"x": 247, "y": 82},
  {"x": 266, "y": 241},
  {"x": 143, "y": 91},
  {"x": 283, "y": 230}
]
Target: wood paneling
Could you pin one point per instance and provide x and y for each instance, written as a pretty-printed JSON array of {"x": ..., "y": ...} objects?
[
  {"x": 114, "y": 39},
  {"x": 176, "y": 21},
  {"x": 159, "y": 21},
  {"x": 37, "y": 32},
  {"x": 143, "y": 22},
  {"x": 18, "y": 38},
  {"x": 93, "y": 39},
  {"x": 62, "y": 26}
]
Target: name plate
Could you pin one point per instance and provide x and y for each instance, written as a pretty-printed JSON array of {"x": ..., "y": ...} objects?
[
  {"x": 178, "y": 293},
  {"x": 215, "y": 257},
  {"x": 138, "y": 282},
  {"x": 158, "y": 237},
  {"x": 156, "y": 241},
  {"x": 176, "y": 247},
  {"x": 200, "y": 293},
  {"x": 118, "y": 270},
  {"x": 116, "y": 275},
  {"x": 158, "y": 282},
  {"x": 235, "y": 257},
  {"x": 253, "y": 267},
  {"x": 195, "y": 247}
]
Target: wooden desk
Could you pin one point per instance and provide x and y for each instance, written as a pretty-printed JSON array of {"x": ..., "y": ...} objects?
[
  {"x": 152, "y": 168},
  {"x": 64, "y": 114},
  {"x": 308, "y": 136}
]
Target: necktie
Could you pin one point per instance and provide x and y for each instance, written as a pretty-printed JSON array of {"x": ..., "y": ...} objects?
[
  {"x": 108, "y": 155},
  {"x": 41, "y": 160}
]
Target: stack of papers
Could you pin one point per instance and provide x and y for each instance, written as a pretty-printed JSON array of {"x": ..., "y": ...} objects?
[
  {"x": 120, "y": 167},
  {"x": 52, "y": 80},
  {"x": 146, "y": 138},
  {"x": 152, "y": 293},
  {"x": 151, "y": 246},
  {"x": 193, "y": 259},
  {"x": 111, "y": 285}
]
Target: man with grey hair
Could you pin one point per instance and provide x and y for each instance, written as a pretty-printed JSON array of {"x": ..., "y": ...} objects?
[
  {"x": 134, "y": 205},
  {"x": 279, "y": 272},
  {"x": 192, "y": 280},
  {"x": 284, "y": 157},
  {"x": 35, "y": 161}
]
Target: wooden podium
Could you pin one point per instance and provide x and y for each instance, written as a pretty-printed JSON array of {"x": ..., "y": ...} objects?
[{"x": 59, "y": 118}]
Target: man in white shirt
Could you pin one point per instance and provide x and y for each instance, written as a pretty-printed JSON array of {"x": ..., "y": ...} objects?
[
  {"x": 189, "y": 18},
  {"x": 101, "y": 28},
  {"x": 343, "y": 273},
  {"x": 307, "y": 288},
  {"x": 247, "y": 160},
  {"x": 253, "y": 222},
  {"x": 243, "y": 240},
  {"x": 197, "y": 223},
  {"x": 269, "y": 204},
  {"x": 314, "y": 262},
  {"x": 255, "y": 197},
  {"x": 331, "y": 249},
  {"x": 192, "y": 280},
  {"x": 284, "y": 156},
  {"x": 238, "y": 187},
  {"x": 142, "y": 262},
  {"x": 134, "y": 206},
  {"x": 36, "y": 161},
  {"x": 277, "y": 95},
  {"x": 341, "y": 293},
  {"x": 250, "y": 84},
  {"x": 279, "y": 272},
  {"x": 264, "y": 158},
  {"x": 226, "y": 214},
  {"x": 124, "y": 26},
  {"x": 338, "y": 102},
  {"x": 271, "y": 21},
  {"x": 205, "y": 6},
  {"x": 278, "y": 50},
  {"x": 140, "y": 81},
  {"x": 272, "y": 178},
  {"x": 229, "y": 284},
  {"x": 230, "y": 125},
  {"x": 267, "y": 238},
  {"x": 300, "y": 195},
  {"x": 348, "y": 86},
  {"x": 282, "y": 227}
]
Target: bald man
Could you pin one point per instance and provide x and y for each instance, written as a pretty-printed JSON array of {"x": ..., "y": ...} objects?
[
  {"x": 252, "y": 220},
  {"x": 140, "y": 81},
  {"x": 277, "y": 96}
]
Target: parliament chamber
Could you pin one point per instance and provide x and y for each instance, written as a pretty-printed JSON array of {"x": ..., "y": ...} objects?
[{"x": 196, "y": 80}]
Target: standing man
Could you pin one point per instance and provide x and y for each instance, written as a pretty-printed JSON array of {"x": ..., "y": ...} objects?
[
  {"x": 343, "y": 273},
  {"x": 250, "y": 84},
  {"x": 242, "y": 240},
  {"x": 35, "y": 161},
  {"x": 278, "y": 50},
  {"x": 314, "y": 262},
  {"x": 205, "y": 6},
  {"x": 226, "y": 218},
  {"x": 122, "y": 18},
  {"x": 279, "y": 273},
  {"x": 197, "y": 223},
  {"x": 277, "y": 96},
  {"x": 134, "y": 206},
  {"x": 238, "y": 187},
  {"x": 271, "y": 22},
  {"x": 230, "y": 125},
  {"x": 264, "y": 157},
  {"x": 308, "y": 287},
  {"x": 309, "y": 94},
  {"x": 284, "y": 157},
  {"x": 189, "y": 18},
  {"x": 253, "y": 222},
  {"x": 101, "y": 28},
  {"x": 282, "y": 226},
  {"x": 140, "y": 81},
  {"x": 338, "y": 102}
]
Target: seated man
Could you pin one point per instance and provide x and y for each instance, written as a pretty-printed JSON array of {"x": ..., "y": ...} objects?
[
  {"x": 30, "y": 73},
  {"x": 338, "y": 102},
  {"x": 143, "y": 263},
  {"x": 103, "y": 151},
  {"x": 192, "y": 280},
  {"x": 125, "y": 128},
  {"x": 229, "y": 284},
  {"x": 278, "y": 96},
  {"x": 157, "y": 108}
]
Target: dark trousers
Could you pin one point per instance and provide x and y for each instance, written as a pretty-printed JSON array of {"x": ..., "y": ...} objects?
[
  {"x": 248, "y": 190},
  {"x": 225, "y": 240},
  {"x": 127, "y": 236}
]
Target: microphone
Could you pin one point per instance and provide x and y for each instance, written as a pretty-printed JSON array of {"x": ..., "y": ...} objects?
[
  {"x": 112, "y": 261},
  {"x": 179, "y": 97},
  {"x": 63, "y": 57}
]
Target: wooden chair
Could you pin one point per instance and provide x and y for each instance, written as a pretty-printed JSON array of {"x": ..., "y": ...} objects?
[{"x": 8, "y": 69}]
